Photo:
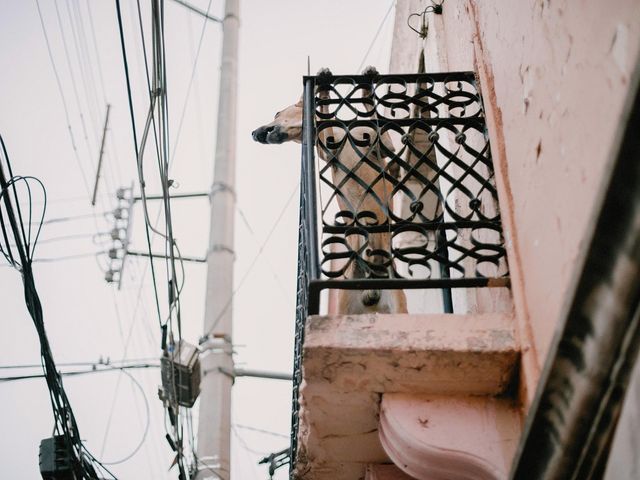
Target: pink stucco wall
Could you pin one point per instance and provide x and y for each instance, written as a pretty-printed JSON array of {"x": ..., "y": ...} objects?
[
  {"x": 554, "y": 76},
  {"x": 560, "y": 71}
]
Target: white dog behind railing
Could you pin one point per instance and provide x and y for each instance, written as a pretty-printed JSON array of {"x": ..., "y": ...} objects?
[{"x": 287, "y": 126}]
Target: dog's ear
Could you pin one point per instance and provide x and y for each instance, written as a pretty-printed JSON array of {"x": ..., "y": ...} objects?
[{"x": 300, "y": 101}]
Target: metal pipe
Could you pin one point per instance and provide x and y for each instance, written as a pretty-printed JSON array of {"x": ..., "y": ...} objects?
[
  {"x": 178, "y": 195},
  {"x": 242, "y": 372},
  {"x": 308, "y": 146},
  {"x": 162, "y": 256}
]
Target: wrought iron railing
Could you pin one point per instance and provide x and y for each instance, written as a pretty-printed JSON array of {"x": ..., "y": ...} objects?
[{"x": 403, "y": 194}]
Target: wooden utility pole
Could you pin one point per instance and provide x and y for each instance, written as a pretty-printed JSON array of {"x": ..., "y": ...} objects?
[{"x": 214, "y": 425}]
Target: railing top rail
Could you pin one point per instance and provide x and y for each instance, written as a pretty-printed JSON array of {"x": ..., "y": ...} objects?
[{"x": 409, "y": 77}]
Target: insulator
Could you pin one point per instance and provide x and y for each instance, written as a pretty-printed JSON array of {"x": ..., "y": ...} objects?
[
  {"x": 113, "y": 253},
  {"x": 121, "y": 193},
  {"x": 109, "y": 276},
  {"x": 118, "y": 213},
  {"x": 115, "y": 234}
]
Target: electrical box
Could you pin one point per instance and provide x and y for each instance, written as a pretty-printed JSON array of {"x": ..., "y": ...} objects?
[
  {"x": 181, "y": 374},
  {"x": 56, "y": 462}
]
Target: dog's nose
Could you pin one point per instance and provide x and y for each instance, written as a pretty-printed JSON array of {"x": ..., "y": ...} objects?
[{"x": 260, "y": 134}]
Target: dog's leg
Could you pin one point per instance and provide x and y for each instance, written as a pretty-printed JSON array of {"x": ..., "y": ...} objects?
[
  {"x": 327, "y": 134},
  {"x": 383, "y": 240}
]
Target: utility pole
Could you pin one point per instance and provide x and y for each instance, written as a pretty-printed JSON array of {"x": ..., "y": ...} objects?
[{"x": 214, "y": 425}]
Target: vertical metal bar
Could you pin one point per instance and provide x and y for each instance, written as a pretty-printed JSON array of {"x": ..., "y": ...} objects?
[
  {"x": 441, "y": 248},
  {"x": 308, "y": 145},
  {"x": 313, "y": 300},
  {"x": 100, "y": 157}
]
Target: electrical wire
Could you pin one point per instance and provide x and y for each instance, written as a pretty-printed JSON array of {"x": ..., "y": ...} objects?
[
  {"x": 160, "y": 123},
  {"x": 260, "y": 430},
  {"x": 100, "y": 363},
  {"x": 244, "y": 443},
  {"x": 73, "y": 373},
  {"x": 16, "y": 230},
  {"x": 64, "y": 102},
  {"x": 71, "y": 218},
  {"x": 61, "y": 238},
  {"x": 146, "y": 428},
  {"x": 135, "y": 143},
  {"x": 87, "y": 78},
  {"x": 73, "y": 78},
  {"x": 63, "y": 258},
  {"x": 375, "y": 37},
  {"x": 191, "y": 80},
  {"x": 274, "y": 273},
  {"x": 229, "y": 301}
]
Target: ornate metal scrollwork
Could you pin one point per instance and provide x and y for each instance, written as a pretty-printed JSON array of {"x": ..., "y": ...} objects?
[
  {"x": 405, "y": 191},
  {"x": 436, "y": 180}
]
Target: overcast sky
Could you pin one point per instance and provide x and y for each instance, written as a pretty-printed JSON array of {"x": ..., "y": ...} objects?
[{"x": 87, "y": 318}]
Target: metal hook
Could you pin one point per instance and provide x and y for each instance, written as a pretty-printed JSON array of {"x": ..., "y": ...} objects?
[{"x": 435, "y": 8}]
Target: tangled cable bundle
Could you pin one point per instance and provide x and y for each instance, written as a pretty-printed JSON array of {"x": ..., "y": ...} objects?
[{"x": 18, "y": 240}]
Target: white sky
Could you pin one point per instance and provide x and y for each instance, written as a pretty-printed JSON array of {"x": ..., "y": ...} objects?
[{"x": 86, "y": 318}]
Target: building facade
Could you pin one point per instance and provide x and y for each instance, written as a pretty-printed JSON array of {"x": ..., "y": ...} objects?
[{"x": 431, "y": 395}]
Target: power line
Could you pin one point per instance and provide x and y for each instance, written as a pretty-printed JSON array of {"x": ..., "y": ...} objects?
[
  {"x": 191, "y": 80},
  {"x": 64, "y": 102},
  {"x": 135, "y": 143},
  {"x": 97, "y": 51},
  {"x": 148, "y": 416},
  {"x": 70, "y": 218},
  {"x": 73, "y": 373},
  {"x": 198, "y": 11},
  {"x": 253, "y": 262},
  {"x": 375, "y": 37},
  {"x": 260, "y": 430},
  {"x": 99, "y": 363},
  {"x": 66, "y": 433},
  {"x": 71, "y": 74},
  {"x": 62, "y": 258},
  {"x": 271, "y": 267},
  {"x": 102, "y": 84}
]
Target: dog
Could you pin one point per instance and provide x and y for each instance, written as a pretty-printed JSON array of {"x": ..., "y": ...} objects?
[{"x": 354, "y": 198}]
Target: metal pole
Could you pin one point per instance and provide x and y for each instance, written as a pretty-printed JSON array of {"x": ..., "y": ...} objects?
[
  {"x": 214, "y": 425},
  {"x": 177, "y": 195},
  {"x": 161, "y": 256},
  {"x": 104, "y": 136},
  {"x": 243, "y": 372}
]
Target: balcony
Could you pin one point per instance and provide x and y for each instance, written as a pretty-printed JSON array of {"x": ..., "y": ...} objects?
[{"x": 402, "y": 197}]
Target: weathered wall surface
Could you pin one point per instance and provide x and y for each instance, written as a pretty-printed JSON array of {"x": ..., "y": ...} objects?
[
  {"x": 554, "y": 77},
  {"x": 560, "y": 73}
]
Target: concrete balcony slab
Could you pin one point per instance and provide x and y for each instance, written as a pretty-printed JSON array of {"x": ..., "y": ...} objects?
[
  {"x": 350, "y": 361},
  {"x": 445, "y": 354}
]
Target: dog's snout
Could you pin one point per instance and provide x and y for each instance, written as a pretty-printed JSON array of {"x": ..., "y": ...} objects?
[{"x": 260, "y": 134}]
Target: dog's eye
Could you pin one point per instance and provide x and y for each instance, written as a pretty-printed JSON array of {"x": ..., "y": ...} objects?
[{"x": 278, "y": 113}]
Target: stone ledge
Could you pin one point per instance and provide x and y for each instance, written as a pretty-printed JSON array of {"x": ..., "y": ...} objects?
[{"x": 442, "y": 354}]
